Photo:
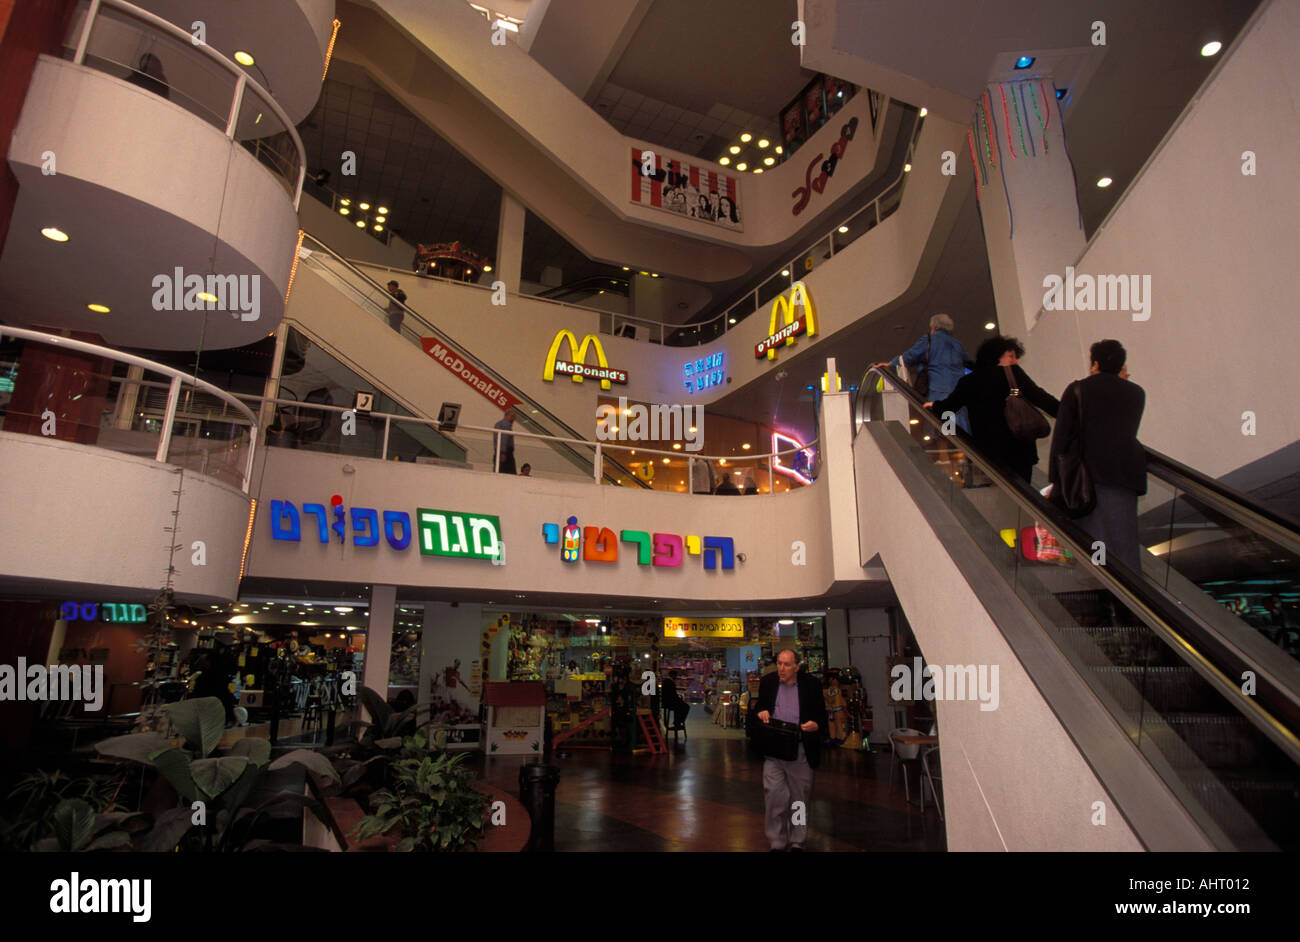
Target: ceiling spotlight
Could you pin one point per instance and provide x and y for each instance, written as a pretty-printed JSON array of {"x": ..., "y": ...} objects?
[
  {"x": 655, "y": 275},
  {"x": 734, "y": 148},
  {"x": 345, "y": 202},
  {"x": 924, "y": 112},
  {"x": 844, "y": 228},
  {"x": 724, "y": 161},
  {"x": 742, "y": 166},
  {"x": 745, "y": 446},
  {"x": 342, "y": 608},
  {"x": 731, "y": 321},
  {"x": 746, "y": 138},
  {"x": 379, "y": 228},
  {"x": 769, "y": 160},
  {"x": 1105, "y": 182},
  {"x": 98, "y": 308},
  {"x": 625, "y": 268},
  {"x": 343, "y": 210},
  {"x": 990, "y": 326},
  {"x": 758, "y": 170},
  {"x": 1211, "y": 48},
  {"x": 363, "y": 205},
  {"x": 785, "y": 273},
  {"x": 361, "y": 223},
  {"x": 763, "y": 142},
  {"x": 1024, "y": 62},
  {"x": 676, "y": 445},
  {"x": 907, "y": 168},
  {"x": 487, "y": 267},
  {"x": 381, "y": 218},
  {"x": 665, "y": 461},
  {"x": 244, "y": 58},
  {"x": 384, "y": 210},
  {"x": 780, "y": 149},
  {"x": 54, "y": 235}
]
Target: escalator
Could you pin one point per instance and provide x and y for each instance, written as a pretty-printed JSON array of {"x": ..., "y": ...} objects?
[
  {"x": 324, "y": 278},
  {"x": 1210, "y": 702}
]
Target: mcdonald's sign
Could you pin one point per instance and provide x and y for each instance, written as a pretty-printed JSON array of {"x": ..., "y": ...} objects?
[
  {"x": 794, "y": 326},
  {"x": 577, "y": 367}
]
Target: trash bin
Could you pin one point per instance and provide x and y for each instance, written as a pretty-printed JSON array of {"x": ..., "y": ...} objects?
[{"x": 537, "y": 793}]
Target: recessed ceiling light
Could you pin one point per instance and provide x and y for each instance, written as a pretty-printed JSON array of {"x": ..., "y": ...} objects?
[
  {"x": 342, "y": 608},
  {"x": 742, "y": 166},
  {"x": 381, "y": 218},
  {"x": 990, "y": 326},
  {"x": 384, "y": 210},
  {"x": 746, "y": 138},
  {"x": 732, "y": 321},
  {"x": 98, "y": 308},
  {"x": 758, "y": 170},
  {"x": 693, "y": 430},
  {"x": 655, "y": 275},
  {"x": 746, "y": 446},
  {"x": 844, "y": 228},
  {"x": 625, "y": 268},
  {"x": 244, "y": 58},
  {"x": 379, "y": 228},
  {"x": 1024, "y": 62},
  {"x": 724, "y": 161},
  {"x": 780, "y": 149},
  {"x": 924, "y": 112},
  {"x": 734, "y": 148},
  {"x": 345, "y": 202},
  {"x": 665, "y": 461},
  {"x": 763, "y": 142},
  {"x": 907, "y": 168},
  {"x": 1211, "y": 48},
  {"x": 785, "y": 273},
  {"x": 54, "y": 235},
  {"x": 676, "y": 445},
  {"x": 343, "y": 210},
  {"x": 363, "y": 205},
  {"x": 1105, "y": 182},
  {"x": 487, "y": 267},
  {"x": 645, "y": 273},
  {"x": 361, "y": 223},
  {"x": 769, "y": 160},
  {"x": 913, "y": 421}
]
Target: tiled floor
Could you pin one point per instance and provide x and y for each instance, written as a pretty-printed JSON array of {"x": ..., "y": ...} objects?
[{"x": 706, "y": 794}]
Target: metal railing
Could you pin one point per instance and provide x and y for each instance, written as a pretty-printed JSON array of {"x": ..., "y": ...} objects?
[
  {"x": 176, "y": 387},
  {"x": 865, "y": 218},
  {"x": 241, "y": 110}
]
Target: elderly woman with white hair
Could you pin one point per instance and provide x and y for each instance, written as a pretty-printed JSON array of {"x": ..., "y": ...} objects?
[{"x": 941, "y": 358}]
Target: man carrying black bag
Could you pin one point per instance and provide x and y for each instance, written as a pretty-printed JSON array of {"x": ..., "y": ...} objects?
[
  {"x": 1098, "y": 421},
  {"x": 793, "y": 712}
]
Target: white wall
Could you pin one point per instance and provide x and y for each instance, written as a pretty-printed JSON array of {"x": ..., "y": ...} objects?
[
  {"x": 342, "y": 235},
  {"x": 92, "y": 518},
  {"x": 1220, "y": 248}
]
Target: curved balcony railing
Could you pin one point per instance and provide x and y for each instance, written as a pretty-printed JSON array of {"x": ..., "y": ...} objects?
[
  {"x": 120, "y": 416},
  {"x": 133, "y": 44}
]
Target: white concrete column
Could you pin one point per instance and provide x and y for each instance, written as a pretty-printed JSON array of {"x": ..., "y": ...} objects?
[
  {"x": 379, "y": 638},
  {"x": 1032, "y": 226},
  {"x": 509, "y": 260}
]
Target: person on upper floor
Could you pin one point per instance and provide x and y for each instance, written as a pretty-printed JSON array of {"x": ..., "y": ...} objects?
[
  {"x": 943, "y": 359},
  {"x": 984, "y": 392}
]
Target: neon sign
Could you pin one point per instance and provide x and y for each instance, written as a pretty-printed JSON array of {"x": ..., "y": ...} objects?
[
  {"x": 805, "y": 323},
  {"x": 441, "y": 532},
  {"x": 703, "y": 373},
  {"x": 599, "y": 544},
  {"x": 108, "y": 611},
  {"x": 801, "y": 461}
]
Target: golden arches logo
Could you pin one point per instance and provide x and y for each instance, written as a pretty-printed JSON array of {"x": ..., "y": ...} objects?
[
  {"x": 793, "y": 326},
  {"x": 577, "y": 368}
]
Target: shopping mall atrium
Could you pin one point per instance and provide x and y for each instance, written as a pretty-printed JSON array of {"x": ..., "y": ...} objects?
[{"x": 370, "y": 371}]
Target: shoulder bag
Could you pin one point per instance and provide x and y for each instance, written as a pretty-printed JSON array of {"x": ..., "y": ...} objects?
[
  {"x": 1025, "y": 422},
  {"x": 1074, "y": 492},
  {"x": 777, "y": 739},
  {"x": 922, "y": 384}
]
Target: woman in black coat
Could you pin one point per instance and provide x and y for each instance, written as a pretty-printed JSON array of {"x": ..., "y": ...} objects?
[{"x": 984, "y": 393}]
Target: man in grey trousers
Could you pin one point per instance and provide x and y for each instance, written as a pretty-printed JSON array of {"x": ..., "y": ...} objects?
[{"x": 795, "y": 697}]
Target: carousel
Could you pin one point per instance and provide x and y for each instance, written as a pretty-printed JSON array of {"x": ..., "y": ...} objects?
[{"x": 449, "y": 260}]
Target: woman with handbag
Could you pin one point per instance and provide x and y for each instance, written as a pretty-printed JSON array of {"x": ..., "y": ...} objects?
[
  {"x": 1005, "y": 431},
  {"x": 1098, "y": 466}
]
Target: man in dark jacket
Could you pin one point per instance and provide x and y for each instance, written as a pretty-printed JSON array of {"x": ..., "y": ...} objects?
[
  {"x": 984, "y": 393},
  {"x": 1112, "y": 410},
  {"x": 794, "y": 697}
]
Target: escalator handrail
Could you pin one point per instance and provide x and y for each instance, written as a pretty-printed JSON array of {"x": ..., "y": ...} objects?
[
  {"x": 1277, "y": 526},
  {"x": 1183, "y": 631},
  {"x": 499, "y": 380}
]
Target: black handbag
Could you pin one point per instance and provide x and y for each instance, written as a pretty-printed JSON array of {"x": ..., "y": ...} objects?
[
  {"x": 778, "y": 739},
  {"x": 1025, "y": 422},
  {"x": 1072, "y": 489}
]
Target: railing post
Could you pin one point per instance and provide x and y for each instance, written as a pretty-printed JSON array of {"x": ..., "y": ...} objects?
[
  {"x": 595, "y": 468},
  {"x": 238, "y": 102},
  {"x": 169, "y": 419},
  {"x": 83, "y": 40},
  {"x": 388, "y": 422}
]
